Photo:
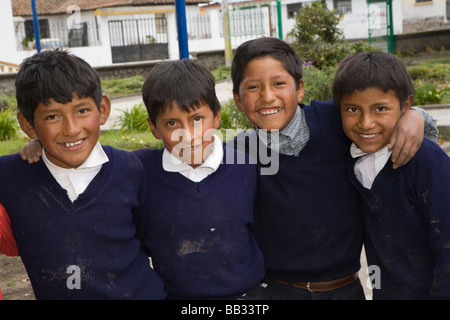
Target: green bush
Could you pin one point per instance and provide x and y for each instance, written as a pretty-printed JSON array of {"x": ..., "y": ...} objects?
[
  {"x": 426, "y": 93},
  {"x": 317, "y": 37},
  {"x": 438, "y": 71},
  {"x": 7, "y": 101},
  {"x": 135, "y": 119},
  {"x": 8, "y": 124},
  {"x": 233, "y": 118},
  {"x": 221, "y": 73},
  {"x": 318, "y": 83}
]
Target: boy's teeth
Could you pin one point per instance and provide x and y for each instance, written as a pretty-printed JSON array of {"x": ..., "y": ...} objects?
[
  {"x": 270, "y": 111},
  {"x": 71, "y": 144},
  {"x": 368, "y": 135}
]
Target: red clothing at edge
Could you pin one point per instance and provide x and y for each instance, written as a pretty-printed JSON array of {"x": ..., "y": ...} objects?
[{"x": 8, "y": 245}]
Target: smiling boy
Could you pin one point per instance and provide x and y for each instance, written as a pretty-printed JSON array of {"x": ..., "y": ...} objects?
[
  {"x": 74, "y": 209},
  {"x": 198, "y": 228},
  {"x": 405, "y": 211}
]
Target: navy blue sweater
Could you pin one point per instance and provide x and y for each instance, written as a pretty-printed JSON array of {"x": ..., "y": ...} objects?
[
  {"x": 308, "y": 220},
  {"x": 198, "y": 232},
  {"x": 95, "y": 233},
  {"x": 407, "y": 226}
]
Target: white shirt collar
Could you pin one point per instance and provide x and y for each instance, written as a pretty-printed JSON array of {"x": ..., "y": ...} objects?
[
  {"x": 75, "y": 181},
  {"x": 173, "y": 164},
  {"x": 369, "y": 165}
]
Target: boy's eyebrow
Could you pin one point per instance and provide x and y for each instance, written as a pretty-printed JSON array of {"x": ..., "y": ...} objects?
[
  {"x": 49, "y": 109},
  {"x": 377, "y": 103}
]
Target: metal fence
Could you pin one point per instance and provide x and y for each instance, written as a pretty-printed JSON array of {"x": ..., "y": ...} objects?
[
  {"x": 245, "y": 22},
  {"x": 199, "y": 26},
  {"x": 58, "y": 34},
  {"x": 137, "y": 31}
]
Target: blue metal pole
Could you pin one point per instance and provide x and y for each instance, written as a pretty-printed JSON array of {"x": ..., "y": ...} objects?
[
  {"x": 180, "y": 9},
  {"x": 36, "y": 26}
]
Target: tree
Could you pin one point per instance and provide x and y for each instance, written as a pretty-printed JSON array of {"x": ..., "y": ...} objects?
[{"x": 317, "y": 38}]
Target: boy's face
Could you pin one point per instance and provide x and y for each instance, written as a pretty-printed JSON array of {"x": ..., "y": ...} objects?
[
  {"x": 187, "y": 135},
  {"x": 268, "y": 94},
  {"x": 369, "y": 117},
  {"x": 68, "y": 132}
]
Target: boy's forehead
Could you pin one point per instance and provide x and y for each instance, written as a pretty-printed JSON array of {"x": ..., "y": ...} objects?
[
  {"x": 176, "y": 108},
  {"x": 75, "y": 99}
]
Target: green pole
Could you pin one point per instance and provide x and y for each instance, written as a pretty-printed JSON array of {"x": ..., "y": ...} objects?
[
  {"x": 390, "y": 27},
  {"x": 280, "y": 25}
]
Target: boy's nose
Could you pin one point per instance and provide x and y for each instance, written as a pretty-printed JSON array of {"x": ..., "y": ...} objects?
[
  {"x": 70, "y": 127},
  {"x": 267, "y": 94},
  {"x": 366, "y": 121}
]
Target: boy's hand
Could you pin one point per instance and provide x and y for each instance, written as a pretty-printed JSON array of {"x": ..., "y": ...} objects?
[
  {"x": 31, "y": 151},
  {"x": 406, "y": 138}
]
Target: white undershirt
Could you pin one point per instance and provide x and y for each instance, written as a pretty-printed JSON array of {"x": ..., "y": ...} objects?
[
  {"x": 75, "y": 181},
  {"x": 173, "y": 164},
  {"x": 369, "y": 165}
]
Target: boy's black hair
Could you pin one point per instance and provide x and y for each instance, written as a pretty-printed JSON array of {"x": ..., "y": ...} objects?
[
  {"x": 261, "y": 47},
  {"x": 359, "y": 71},
  {"x": 185, "y": 82},
  {"x": 54, "y": 74}
]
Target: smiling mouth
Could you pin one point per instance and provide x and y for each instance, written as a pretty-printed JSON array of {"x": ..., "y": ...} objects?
[
  {"x": 368, "y": 137},
  {"x": 192, "y": 148},
  {"x": 72, "y": 144},
  {"x": 269, "y": 111}
]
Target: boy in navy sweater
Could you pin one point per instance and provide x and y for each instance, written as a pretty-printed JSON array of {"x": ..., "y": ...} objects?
[
  {"x": 405, "y": 211},
  {"x": 72, "y": 213},
  {"x": 308, "y": 220},
  {"x": 201, "y": 200}
]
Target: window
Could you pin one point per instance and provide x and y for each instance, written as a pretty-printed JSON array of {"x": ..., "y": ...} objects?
[
  {"x": 343, "y": 6},
  {"x": 292, "y": 10},
  {"x": 448, "y": 10},
  {"x": 44, "y": 30}
]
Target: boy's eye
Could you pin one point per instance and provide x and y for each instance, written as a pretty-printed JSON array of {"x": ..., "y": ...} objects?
[
  {"x": 381, "y": 108},
  {"x": 351, "y": 109},
  {"x": 83, "y": 111},
  {"x": 280, "y": 83},
  {"x": 198, "y": 118},
  {"x": 170, "y": 123},
  {"x": 51, "y": 117}
]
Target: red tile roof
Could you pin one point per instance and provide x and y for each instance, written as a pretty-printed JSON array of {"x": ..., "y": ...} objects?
[{"x": 23, "y": 7}]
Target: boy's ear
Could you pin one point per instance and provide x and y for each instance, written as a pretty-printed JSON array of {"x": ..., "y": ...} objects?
[
  {"x": 217, "y": 120},
  {"x": 408, "y": 103},
  {"x": 301, "y": 91},
  {"x": 26, "y": 126},
  {"x": 153, "y": 129},
  {"x": 105, "y": 109},
  {"x": 238, "y": 101}
]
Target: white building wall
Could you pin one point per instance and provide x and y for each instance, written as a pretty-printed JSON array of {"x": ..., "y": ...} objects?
[
  {"x": 8, "y": 41},
  {"x": 435, "y": 8}
]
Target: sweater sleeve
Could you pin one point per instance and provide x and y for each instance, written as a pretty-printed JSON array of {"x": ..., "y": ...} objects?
[
  {"x": 7, "y": 243},
  {"x": 434, "y": 194}
]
